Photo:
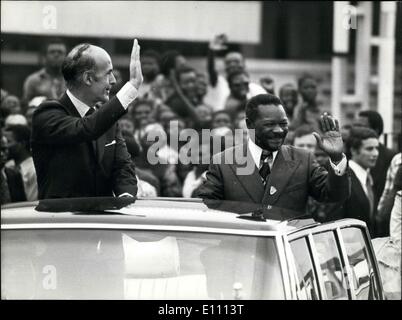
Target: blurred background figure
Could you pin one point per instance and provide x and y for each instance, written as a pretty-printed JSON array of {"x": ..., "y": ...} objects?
[
  {"x": 239, "y": 82},
  {"x": 18, "y": 138},
  {"x": 268, "y": 84},
  {"x": 288, "y": 95},
  {"x": 304, "y": 139},
  {"x": 48, "y": 81},
  {"x": 150, "y": 64},
  {"x": 12, "y": 187}
]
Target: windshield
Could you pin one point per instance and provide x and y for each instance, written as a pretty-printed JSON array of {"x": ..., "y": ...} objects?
[{"x": 126, "y": 264}]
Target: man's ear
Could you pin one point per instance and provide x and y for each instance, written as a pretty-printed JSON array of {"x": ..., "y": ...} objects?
[
  {"x": 87, "y": 78},
  {"x": 249, "y": 123}
]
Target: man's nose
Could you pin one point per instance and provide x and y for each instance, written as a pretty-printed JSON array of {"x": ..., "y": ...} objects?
[
  {"x": 112, "y": 79},
  {"x": 278, "y": 129}
]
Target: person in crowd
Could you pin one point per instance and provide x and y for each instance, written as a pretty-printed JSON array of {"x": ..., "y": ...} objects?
[
  {"x": 308, "y": 111},
  {"x": 372, "y": 119},
  {"x": 221, "y": 119},
  {"x": 185, "y": 99},
  {"x": 126, "y": 125},
  {"x": 363, "y": 146},
  {"x": 150, "y": 64},
  {"x": 204, "y": 113},
  {"x": 141, "y": 111},
  {"x": 304, "y": 139},
  {"x": 32, "y": 105},
  {"x": 239, "y": 88},
  {"x": 157, "y": 160},
  {"x": 11, "y": 105},
  {"x": 12, "y": 187},
  {"x": 288, "y": 95},
  {"x": 171, "y": 62},
  {"x": 48, "y": 81},
  {"x": 218, "y": 89},
  {"x": 271, "y": 173},
  {"x": 18, "y": 137},
  {"x": 268, "y": 83},
  {"x": 77, "y": 147},
  {"x": 386, "y": 203}
]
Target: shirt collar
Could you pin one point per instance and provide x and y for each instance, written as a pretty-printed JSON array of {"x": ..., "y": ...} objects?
[
  {"x": 256, "y": 152},
  {"x": 359, "y": 171},
  {"x": 81, "y": 107}
]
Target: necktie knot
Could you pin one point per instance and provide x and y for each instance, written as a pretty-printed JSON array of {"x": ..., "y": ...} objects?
[{"x": 266, "y": 155}]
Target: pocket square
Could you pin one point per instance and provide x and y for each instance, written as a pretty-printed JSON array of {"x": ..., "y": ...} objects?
[{"x": 111, "y": 143}]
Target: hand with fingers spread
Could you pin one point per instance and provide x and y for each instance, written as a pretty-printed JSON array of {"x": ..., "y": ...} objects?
[
  {"x": 136, "y": 77},
  {"x": 331, "y": 140}
]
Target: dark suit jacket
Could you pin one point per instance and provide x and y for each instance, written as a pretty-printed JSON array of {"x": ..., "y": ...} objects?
[
  {"x": 65, "y": 159},
  {"x": 357, "y": 206},
  {"x": 15, "y": 185},
  {"x": 294, "y": 176}
]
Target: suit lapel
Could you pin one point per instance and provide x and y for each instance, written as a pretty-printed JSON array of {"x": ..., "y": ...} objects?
[
  {"x": 282, "y": 170},
  {"x": 69, "y": 106},
  {"x": 97, "y": 146},
  {"x": 251, "y": 183}
]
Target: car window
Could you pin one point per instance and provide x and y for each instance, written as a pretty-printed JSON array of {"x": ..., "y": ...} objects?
[
  {"x": 308, "y": 288},
  {"x": 126, "y": 264},
  {"x": 360, "y": 263},
  {"x": 330, "y": 262}
]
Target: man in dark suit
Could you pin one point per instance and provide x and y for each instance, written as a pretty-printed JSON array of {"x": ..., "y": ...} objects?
[
  {"x": 78, "y": 149},
  {"x": 267, "y": 172},
  {"x": 363, "y": 146},
  {"x": 373, "y": 120}
]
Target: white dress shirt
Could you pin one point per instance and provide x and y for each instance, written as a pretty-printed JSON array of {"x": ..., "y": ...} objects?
[
  {"x": 256, "y": 151},
  {"x": 360, "y": 173},
  {"x": 126, "y": 95},
  {"x": 28, "y": 174}
]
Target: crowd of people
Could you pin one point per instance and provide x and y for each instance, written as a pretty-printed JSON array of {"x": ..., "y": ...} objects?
[{"x": 175, "y": 97}]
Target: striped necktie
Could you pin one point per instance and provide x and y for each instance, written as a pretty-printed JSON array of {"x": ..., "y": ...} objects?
[{"x": 264, "y": 165}]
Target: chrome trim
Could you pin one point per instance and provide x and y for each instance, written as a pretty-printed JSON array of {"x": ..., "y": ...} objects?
[
  {"x": 283, "y": 263},
  {"x": 350, "y": 286},
  {"x": 317, "y": 267},
  {"x": 343, "y": 223},
  {"x": 292, "y": 270},
  {"x": 114, "y": 226}
]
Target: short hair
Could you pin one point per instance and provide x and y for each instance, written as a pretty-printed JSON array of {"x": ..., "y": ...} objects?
[
  {"x": 21, "y": 133},
  {"x": 303, "y": 131},
  {"x": 303, "y": 78},
  {"x": 260, "y": 99},
  {"x": 374, "y": 119},
  {"x": 76, "y": 63},
  {"x": 357, "y": 135},
  {"x": 235, "y": 74},
  {"x": 287, "y": 86}
]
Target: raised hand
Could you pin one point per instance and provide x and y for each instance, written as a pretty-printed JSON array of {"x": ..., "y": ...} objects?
[
  {"x": 331, "y": 140},
  {"x": 219, "y": 43},
  {"x": 135, "y": 66}
]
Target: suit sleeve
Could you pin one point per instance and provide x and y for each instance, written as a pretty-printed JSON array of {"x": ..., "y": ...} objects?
[
  {"x": 123, "y": 173},
  {"x": 51, "y": 124},
  {"x": 325, "y": 185},
  {"x": 213, "y": 187}
]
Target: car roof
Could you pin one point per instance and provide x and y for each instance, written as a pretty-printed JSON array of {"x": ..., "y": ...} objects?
[{"x": 155, "y": 212}]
